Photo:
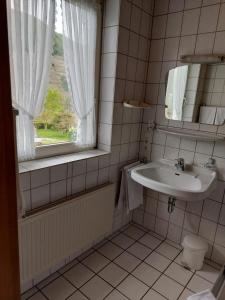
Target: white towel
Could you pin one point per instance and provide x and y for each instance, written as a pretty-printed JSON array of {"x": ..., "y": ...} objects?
[
  {"x": 205, "y": 295},
  {"x": 131, "y": 192},
  {"x": 220, "y": 116},
  {"x": 207, "y": 114}
]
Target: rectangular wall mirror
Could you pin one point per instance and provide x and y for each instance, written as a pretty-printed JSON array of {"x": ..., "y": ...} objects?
[{"x": 195, "y": 92}]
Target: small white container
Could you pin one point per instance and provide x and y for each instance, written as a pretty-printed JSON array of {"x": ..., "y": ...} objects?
[{"x": 194, "y": 251}]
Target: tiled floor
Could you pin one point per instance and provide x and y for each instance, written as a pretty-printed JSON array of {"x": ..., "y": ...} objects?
[{"x": 132, "y": 264}]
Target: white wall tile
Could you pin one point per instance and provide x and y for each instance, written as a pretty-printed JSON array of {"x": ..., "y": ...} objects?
[
  {"x": 25, "y": 181},
  {"x": 176, "y": 5},
  {"x": 79, "y": 167},
  {"x": 58, "y": 172},
  {"x": 204, "y": 43},
  {"x": 221, "y": 23},
  {"x": 174, "y": 23},
  {"x": 191, "y": 222},
  {"x": 39, "y": 177},
  {"x": 208, "y": 19},
  {"x": 171, "y": 48},
  {"x": 159, "y": 27},
  {"x": 211, "y": 210},
  {"x": 58, "y": 190},
  {"x": 190, "y": 21},
  {"x": 220, "y": 236},
  {"x": 161, "y": 7},
  {"x": 207, "y": 229},
  {"x": 40, "y": 196},
  {"x": 78, "y": 184}
]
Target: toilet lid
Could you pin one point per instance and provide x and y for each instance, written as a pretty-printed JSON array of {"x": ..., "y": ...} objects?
[{"x": 194, "y": 242}]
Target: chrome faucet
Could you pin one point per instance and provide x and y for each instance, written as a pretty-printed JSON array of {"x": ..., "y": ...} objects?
[
  {"x": 210, "y": 164},
  {"x": 180, "y": 164}
]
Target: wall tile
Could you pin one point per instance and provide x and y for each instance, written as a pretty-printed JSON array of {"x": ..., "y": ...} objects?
[
  {"x": 190, "y": 22},
  {"x": 161, "y": 7},
  {"x": 208, "y": 19},
  {"x": 39, "y": 177},
  {"x": 176, "y": 5},
  {"x": 79, "y": 167},
  {"x": 58, "y": 172},
  {"x": 174, "y": 23},
  {"x": 78, "y": 184},
  {"x": 211, "y": 210},
  {"x": 204, "y": 43},
  {"x": 40, "y": 196},
  {"x": 171, "y": 48},
  {"x": 58, "y": 190},
  {"x": 207, "y": 229},
  {"x": 159, "y": 27},
  {"x": 221, "y": 25}
]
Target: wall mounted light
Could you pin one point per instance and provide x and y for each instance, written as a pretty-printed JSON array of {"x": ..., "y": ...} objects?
[{"x": 202, "y": 59}]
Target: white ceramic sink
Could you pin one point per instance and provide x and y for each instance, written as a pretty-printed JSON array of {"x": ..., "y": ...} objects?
[{"x": 194, "y": 183}]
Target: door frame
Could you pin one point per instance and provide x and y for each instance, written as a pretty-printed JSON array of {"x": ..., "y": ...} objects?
[{"x": 9, "y": 253}]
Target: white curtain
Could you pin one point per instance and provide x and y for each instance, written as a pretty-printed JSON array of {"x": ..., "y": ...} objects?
[
  {"x": 79, "y": 41},
  {"x": 175, "y": 93},
  {"x": 31, "y": 28}
]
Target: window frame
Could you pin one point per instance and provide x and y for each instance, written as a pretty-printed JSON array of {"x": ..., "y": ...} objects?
[{"x": 45, "y": 151}]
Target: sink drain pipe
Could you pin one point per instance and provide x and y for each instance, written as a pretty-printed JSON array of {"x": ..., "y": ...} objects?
[{"x": 171, "y": 204}]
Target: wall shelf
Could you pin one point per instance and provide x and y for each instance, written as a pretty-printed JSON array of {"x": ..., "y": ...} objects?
[
  {"x": 136, "y": 105},
  {"x": 191, "y": 134}
]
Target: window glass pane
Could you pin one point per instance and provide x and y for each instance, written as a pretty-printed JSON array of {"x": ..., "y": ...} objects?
[{"x": 56, "y": 124}]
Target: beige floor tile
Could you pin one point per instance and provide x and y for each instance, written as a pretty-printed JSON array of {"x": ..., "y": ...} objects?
[
  {"x": 132, "y": 288},
  {"x": 78, "y": 275},
  {"x": 168, "y": 250},
  {"x": 198, "y": 284},
  {"x": 168, "y": 287},
  {"x": 110, "y": 250},
  {"x": 29, "y": 293},
  {"x": 95, "y": 262},
  {"x": 150, "y": 241},
  {"x": 127, "y": 261},
  {"x": 146, "y": 274},
  {"x": 37, "y": 296},
  {"x": 139, "y": 250},
  {"x": 134, "y": 232},
  {"x": 115, "y": 295},
  {"x": 113, "y": 274},
  {"x": 77, "y": 296},
  {"x": 123, "y": 241},
  {"x": 158, "y": 261},
  {"x": 209, "y": 273},
  {"x": 152, "y": 295},
  {"x": 178, "y": 273},
  {"x": 186, "y": 293},
  {"x": 59, "y": 289},
  {"x": 96, "y": 288}
]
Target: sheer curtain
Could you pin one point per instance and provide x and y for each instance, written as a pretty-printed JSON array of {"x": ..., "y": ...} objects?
[
  {"x": 79, "y": 41},
  {"x": 31, "y": 27}
]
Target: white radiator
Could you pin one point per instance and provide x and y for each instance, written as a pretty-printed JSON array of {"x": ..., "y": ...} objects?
[{"x": 48, "y": 237}]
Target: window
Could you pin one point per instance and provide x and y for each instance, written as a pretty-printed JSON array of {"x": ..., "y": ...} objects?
[
  {"x": 54, "y": 53},
  {"x": 57, "y": 123}
]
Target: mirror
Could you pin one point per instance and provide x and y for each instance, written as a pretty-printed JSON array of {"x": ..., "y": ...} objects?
[{"x": 196, "y": 93}]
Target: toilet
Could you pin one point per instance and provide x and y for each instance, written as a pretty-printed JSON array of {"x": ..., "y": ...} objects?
[{"x": 194, "y": 250}]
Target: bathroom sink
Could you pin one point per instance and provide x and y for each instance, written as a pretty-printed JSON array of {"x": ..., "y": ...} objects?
[{"x": 194, "y": 183}]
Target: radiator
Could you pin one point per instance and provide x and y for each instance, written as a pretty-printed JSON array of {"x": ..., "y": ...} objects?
[{"x": 48, "y": 237}]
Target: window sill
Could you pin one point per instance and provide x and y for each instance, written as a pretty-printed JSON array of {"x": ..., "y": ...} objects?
[{"x": 37, "y": 164}]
